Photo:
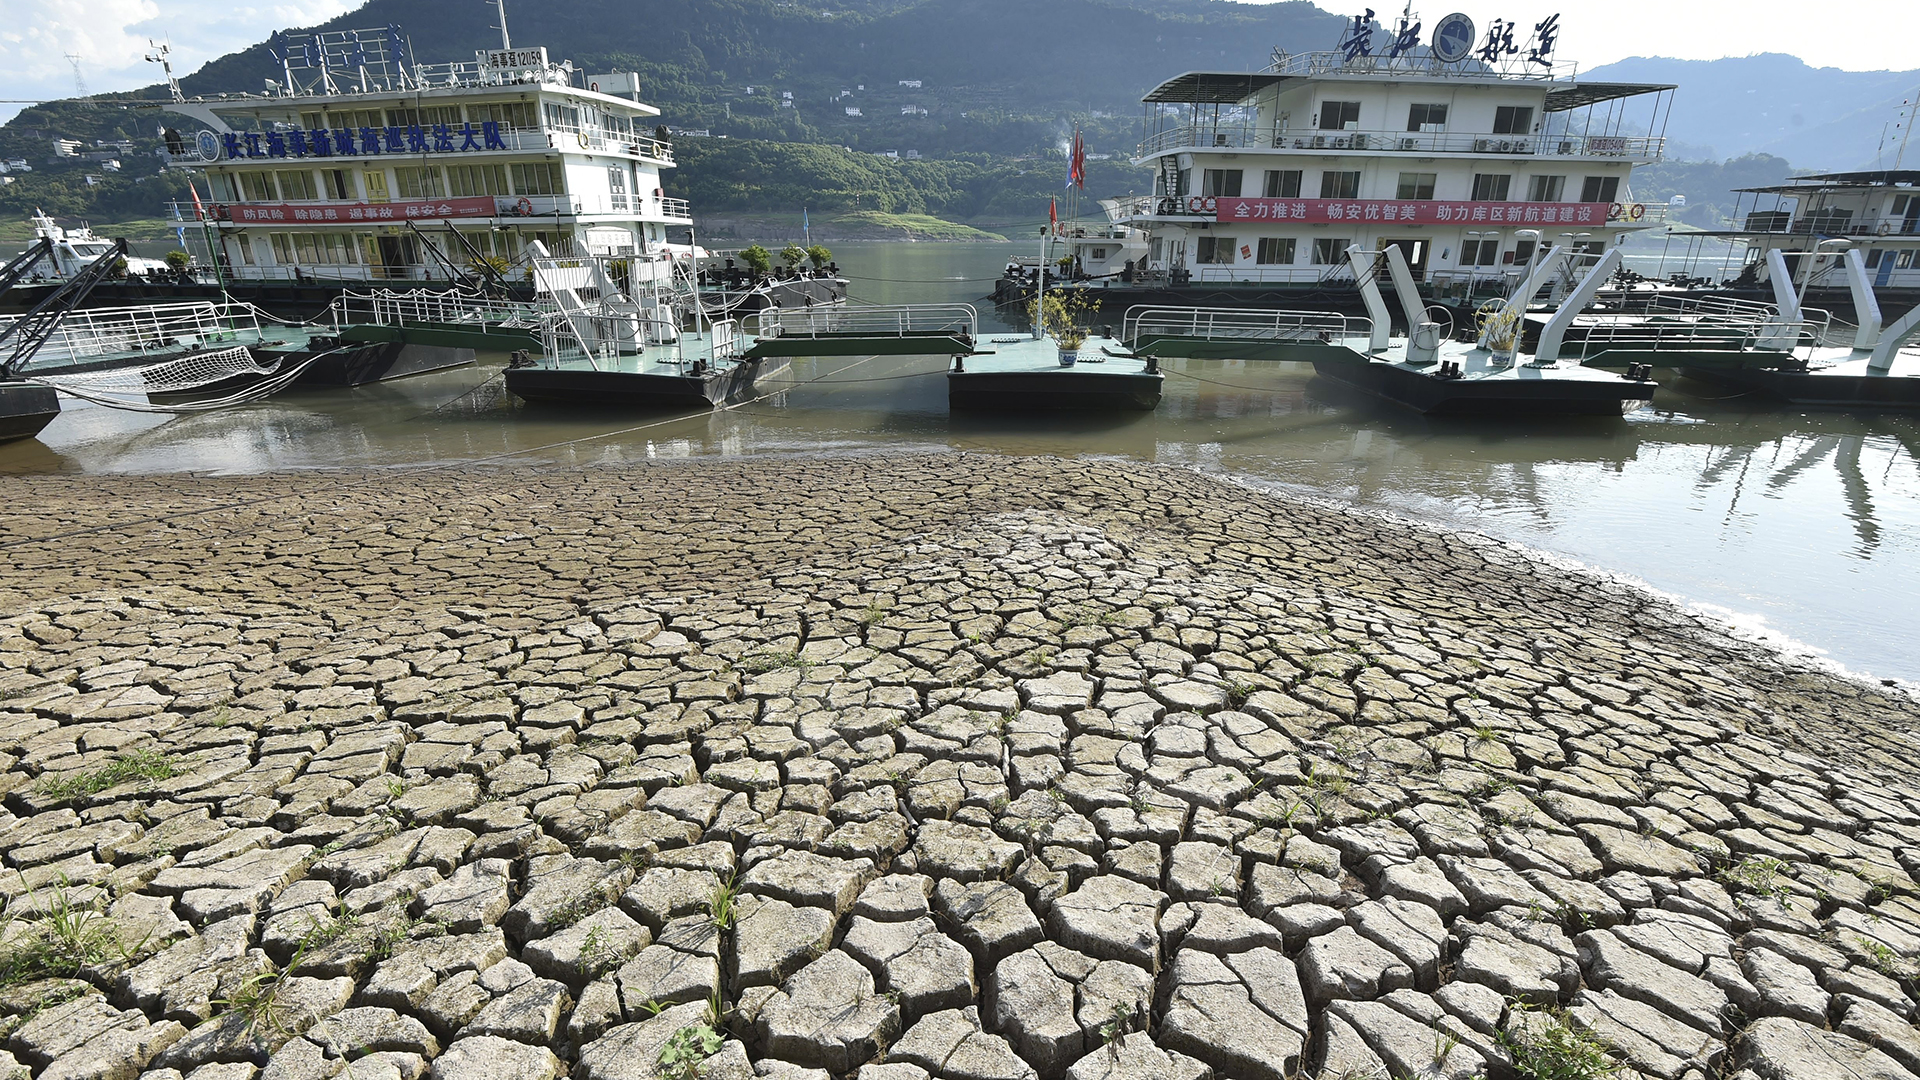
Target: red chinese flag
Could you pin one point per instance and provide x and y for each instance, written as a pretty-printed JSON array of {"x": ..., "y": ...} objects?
[
  {"x": 1053, "y": 216},
  {"x": 199, "y": 212}
]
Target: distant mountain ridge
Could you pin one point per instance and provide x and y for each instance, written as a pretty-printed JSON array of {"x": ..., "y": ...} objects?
[{"x": 1772, "y": 103}]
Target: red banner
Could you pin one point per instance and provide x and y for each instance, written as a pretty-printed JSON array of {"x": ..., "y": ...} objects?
[
  {"x": 1229, "y": 208},
  {"x": 351, "y": 213}
]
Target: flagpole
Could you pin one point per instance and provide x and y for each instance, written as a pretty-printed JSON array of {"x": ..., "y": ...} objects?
[{"x": 1040, "y": 286}]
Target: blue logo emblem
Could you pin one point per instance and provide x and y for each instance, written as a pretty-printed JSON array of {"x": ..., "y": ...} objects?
[
  {"x": 209, "y": 146},
  {"x": 1453, "y": 38}
]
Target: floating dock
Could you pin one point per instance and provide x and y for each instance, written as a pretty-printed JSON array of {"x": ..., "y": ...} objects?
[{"x": 1020, "y": 374}]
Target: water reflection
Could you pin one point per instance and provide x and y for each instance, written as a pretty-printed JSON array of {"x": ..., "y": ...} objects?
[{"x": 1806, "y": 521}]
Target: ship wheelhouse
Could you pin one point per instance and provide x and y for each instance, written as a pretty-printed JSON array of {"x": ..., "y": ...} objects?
[
  {"x": 363, "y": 167},
  {"x": 1813, "y": 220},
  {"x": 1267, "y": 177}
]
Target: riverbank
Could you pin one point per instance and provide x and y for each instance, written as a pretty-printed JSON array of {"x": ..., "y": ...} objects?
[{"x": 988, "y": 766}]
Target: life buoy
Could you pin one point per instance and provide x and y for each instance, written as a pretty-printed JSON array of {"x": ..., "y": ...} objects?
[
  {"x": 657, "y": 193},
  {"x": 1616, "y": 212},
  {"x": 1638, "y": 211},
  {"x": 524, "y": 207},
  {"x": 583, "y": 140},
  {"x": 1199, "y": 203}
]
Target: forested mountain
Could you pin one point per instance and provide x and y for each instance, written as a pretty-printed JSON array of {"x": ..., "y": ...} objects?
[
  {"x": 1817, "y": 118},
  {"x": 1001, "y": 83}
]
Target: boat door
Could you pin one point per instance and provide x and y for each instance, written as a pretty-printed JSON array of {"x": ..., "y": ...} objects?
[
  {"x": 1416, "y": 253},
  {"x": 397, "y": 255}
]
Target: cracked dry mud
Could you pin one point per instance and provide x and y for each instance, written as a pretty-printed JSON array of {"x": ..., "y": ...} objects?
[{"x": 892, "y": 767}]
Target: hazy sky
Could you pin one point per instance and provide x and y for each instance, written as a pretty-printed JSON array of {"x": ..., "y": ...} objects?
[{"x": 110, "y": 35}]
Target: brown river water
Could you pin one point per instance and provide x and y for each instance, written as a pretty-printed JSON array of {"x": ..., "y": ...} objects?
[{"x": 1801, "y": 527}]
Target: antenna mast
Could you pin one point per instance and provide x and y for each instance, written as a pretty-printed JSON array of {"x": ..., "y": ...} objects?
[
  {"x": 79, "y": 83},
  {"x": 501, "y": 7},
  {"x": 157, "y": 54},
  {"x": 1913, "y": 106}
]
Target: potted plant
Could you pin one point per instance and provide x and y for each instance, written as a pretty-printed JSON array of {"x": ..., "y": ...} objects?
[
  {"x": 793, "y": 255},
  {"x": 819, "y": 256},
  {"x": 758, "y": 259},
  {"x": 1065, "y": 316}
]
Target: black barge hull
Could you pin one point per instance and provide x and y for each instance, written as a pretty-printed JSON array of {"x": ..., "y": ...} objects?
[
  {"x": 635, "y": 392},
  {"x": 1436, "y": 396},
  {"x": 1065, "y": 390},
  {"x": 26, "y": 409}
]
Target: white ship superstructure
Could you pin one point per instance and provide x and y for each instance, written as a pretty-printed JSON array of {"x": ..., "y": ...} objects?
[
  {"x": 1813, "y": 220},
  {"x": 357, "y": 163},
  {"x": 1472, "y": 158}
]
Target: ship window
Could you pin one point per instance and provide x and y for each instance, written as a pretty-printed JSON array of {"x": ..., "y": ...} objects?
[
  {"x": 1545, "y": 188},
  {"x": 536, "y": 178},
  {"x": 1512, "y": 120},
  {"x": 1220, "y": 182},
  {"x": 257, "y": 186},
  {"x": 376, "y": 185},
  {"x": 1283, "y": 183},
  {"x": 1426, "y": 117},
  {"x": 423, "y": 182},
  {"x": 403, "y": 117},
  {"x": 339, "y": 184},
  {"x": 1276, "y": 250},
  {"x": 1600, "y": 189},
  {"x": 1328, "y": 251},
  {"x": 223, "y": 189},
  {"x": 311, "y": 119},
  {"x": 1185, "y": 182},
  {"x": 297, "y": 185},
  {"x": 440, "y": 114},
  {"x": 1217, "y": 250},
  {"x": 508, "y": 114},
  {"x": 1339, "y": 115},
  {"x": 617, "y": 186},
  {"x": 1480, "y": 253},
  {"x": 355, "y": 118},
  {"x": 1522, "y": 252},
  {"x": 1906, "y": 261},
  {"x": 1416, "y": 185},
  {"x": 1873, "y": 258},
  {"x": 1490, "y": 187},
  {"x": 1340, "y": 185},
  {"x": 465, "y": 180},
  {"x": 562, "y": 116}
]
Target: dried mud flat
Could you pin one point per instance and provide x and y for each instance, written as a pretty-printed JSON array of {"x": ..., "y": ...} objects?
[{"x": 907, "y": 767}]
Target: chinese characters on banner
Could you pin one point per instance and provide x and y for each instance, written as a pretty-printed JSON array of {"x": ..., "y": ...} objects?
[
  {"x": 354, "y": 142},
  {"x": 1410, "y": 212},
  {"x": 288, "y": 214}
]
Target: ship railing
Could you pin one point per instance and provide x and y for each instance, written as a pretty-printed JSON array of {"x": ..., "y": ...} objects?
[
  {"x": 1335, "y": 62},
  {"x": 1744, "y": 331},
  {"x": 585, "y": 137},
  {"x": 597, "y": 338},
  {"x": 384, "y": 307},
  {"x": 145, "y": 330},
  {"x": 1226, "y": 275},
  {"x": 870, "y": 320},
  {"x": 1240, "y": 324},
  {"x": 1248, "y": 136}
]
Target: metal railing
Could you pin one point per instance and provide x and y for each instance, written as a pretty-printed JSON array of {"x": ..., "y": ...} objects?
[
  {"x": 1595, "y": 334},
  {"x": 1332, "y": 62},
  {"x": 598, "y": 338},
  {"x": 384, "y": 307},
  {"x": 1780, "y": 222},
  {"x": 1252, "y": 136},
  {"x": 95, "y": 333},
  {"x": 1241, "y": 324},
  {"x": 1270, "y": 274},
  {"x": 872, "y": 320},
  {"x": 513, "y": 140}
]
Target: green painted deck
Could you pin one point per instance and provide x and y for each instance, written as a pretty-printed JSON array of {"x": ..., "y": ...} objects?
[
  {"x": 478, "y": 336},
  {"x": 907, "y": 343}
]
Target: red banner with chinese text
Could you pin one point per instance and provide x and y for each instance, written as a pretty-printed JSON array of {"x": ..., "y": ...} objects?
[
  {"x": 1230, "y": 208},
  {"x": 357, "y": 213}
]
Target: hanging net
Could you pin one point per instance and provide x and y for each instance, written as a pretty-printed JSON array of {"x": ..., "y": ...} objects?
[{"x": 228, "y": 377}]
